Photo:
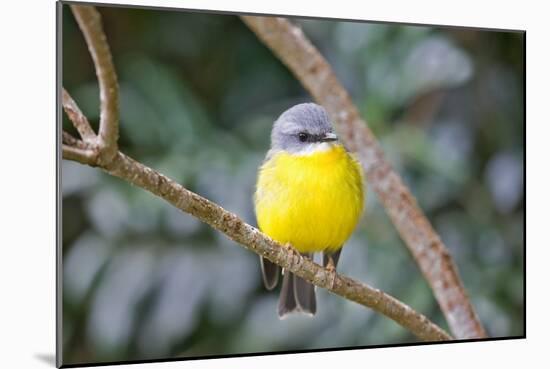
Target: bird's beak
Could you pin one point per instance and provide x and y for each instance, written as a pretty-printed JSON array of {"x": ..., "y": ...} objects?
[{"x": 329, "y": 137}]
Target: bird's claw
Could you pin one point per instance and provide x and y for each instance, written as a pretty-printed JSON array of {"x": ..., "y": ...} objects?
[{"x": 332, "y": 270}]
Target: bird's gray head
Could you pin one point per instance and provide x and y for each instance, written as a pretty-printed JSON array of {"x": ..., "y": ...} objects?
[{"x": 302, "y": 130}]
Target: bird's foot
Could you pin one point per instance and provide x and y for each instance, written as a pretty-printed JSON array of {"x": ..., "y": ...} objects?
[
  {"x": 296, "y": 256},
  {"x": 289, "y": 246},
  {"x": 331, "y": 268}
]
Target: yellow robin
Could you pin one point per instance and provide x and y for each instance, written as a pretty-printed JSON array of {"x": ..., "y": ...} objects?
[{"x": 309, "y": 193}]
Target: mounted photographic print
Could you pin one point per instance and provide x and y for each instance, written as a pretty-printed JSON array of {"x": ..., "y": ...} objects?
[{"x": 240, "y": 184}]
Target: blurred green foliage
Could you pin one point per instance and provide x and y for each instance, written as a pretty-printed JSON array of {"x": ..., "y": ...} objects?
[{"x": 198, "y": 96}]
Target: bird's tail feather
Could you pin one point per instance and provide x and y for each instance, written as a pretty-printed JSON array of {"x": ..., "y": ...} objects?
[
  {"x": 287, "y": 302},
  {"x": 296, "y": 295},
  {"x": 270, "y": 273},
  {"x": 304, "y": 293}
]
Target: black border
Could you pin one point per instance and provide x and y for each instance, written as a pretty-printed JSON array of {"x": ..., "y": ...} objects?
[
  {"x": 58, "y": 206},
  {"x": 310, "y": 351},
  {"x": 59, "y": 253}
]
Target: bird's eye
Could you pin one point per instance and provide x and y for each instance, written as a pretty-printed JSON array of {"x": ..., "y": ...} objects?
[{"x": 302, "y": 136}]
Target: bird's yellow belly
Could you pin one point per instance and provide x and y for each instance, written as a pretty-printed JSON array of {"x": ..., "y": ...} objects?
[{"x": 311, "y": 201}]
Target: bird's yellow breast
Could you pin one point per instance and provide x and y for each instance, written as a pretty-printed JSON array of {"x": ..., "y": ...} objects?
[{"x": 311, "y": 201}]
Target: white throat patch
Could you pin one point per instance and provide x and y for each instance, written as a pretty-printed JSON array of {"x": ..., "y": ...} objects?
[{"x": 314, "y": 148}]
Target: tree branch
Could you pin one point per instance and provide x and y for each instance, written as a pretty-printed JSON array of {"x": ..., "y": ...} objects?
[
  {"x": 83, "y": 156},
  {"x": 71, "y": 141},
  {"x": 89, "y": 21},
  {"x": 293, "y": 48},
  {"x": 78, "y": 119}
]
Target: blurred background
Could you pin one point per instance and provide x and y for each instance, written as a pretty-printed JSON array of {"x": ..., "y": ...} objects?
[{"x": 199, "y": 94}]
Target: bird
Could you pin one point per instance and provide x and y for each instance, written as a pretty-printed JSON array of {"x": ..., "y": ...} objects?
[{"x": 309, "y": 194}]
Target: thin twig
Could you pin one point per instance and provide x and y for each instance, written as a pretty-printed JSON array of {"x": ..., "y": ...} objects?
[
  {"x": 293, "y": 48},
  {"x": 89, "y": 21},
  {"x": 83, "y": 156},
  {"x": 78, "y": 119},
  {"x": 74, "y": 142}
]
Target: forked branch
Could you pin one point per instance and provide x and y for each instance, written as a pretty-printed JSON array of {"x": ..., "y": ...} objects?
[
  {"x": 293, "y": 48},
  {"x": 89, "y": 21},
  {"x": 78, "y": 119}
]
